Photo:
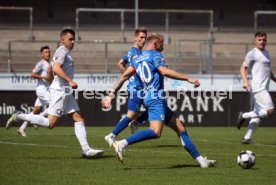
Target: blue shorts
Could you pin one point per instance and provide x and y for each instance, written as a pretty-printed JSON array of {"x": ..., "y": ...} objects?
[
  {"x": 134, "y": 101},
  {"x": 169, "y": 114},
  {"x": 159, "y": 111}
]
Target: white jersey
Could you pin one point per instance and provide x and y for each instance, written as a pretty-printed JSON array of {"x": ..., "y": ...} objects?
[
  {"x": 259, "y": 62},
  {"x": 41, "y": 68},
  {"x": 63, "y": 57}
]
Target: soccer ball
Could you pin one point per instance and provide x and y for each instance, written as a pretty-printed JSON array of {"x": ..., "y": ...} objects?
[{"x": 246, "y": 159}]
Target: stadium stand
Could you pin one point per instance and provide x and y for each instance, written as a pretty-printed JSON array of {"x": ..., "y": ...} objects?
[{"x": 100, "y": 48}]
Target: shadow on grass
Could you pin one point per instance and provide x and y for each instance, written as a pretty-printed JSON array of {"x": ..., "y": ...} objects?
[
  {"x": 167, "y": 146},
  {"x": 69, "y": 158},
  {"x": 161, "y": 167}
]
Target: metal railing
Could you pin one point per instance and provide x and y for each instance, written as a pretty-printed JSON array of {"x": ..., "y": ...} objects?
[
  {"x": 257, "y": 13},
  {"x": 30, "y": 9},
  {"x": 123, "y": 11}
]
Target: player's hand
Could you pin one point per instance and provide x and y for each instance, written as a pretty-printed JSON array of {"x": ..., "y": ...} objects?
[
  {"x": 106, "y": 102},
  {"x": 73, "y": 84},
  {"x": 195, "y": 82},
  {"x": 246, "y": 86}
]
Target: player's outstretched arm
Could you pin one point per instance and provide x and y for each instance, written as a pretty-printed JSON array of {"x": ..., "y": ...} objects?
[
  {"x": 245, "y": 84},
  {"x": 106, "y": 102},
  {"x": 123, "y": 77},
  {"x": 165, "y": 71}
]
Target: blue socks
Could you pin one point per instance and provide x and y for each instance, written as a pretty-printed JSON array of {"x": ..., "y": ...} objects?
[
  {"x": 141, "y": 136},
  {"x": 121, "y": 125},
  {"x": 188, "y": 145}
]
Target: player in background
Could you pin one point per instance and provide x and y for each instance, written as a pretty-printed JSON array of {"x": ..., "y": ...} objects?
[
  {"x": 134, "y": 87},
  {"x": 151, "y": 68},
  {"x": 61, "y": 101},
  {"x": 258, "y": 61},
  {"x": 43, "y": 73}
]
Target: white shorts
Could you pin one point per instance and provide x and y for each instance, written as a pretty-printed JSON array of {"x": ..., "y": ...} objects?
[
  {"x": 262, "y": 100},
  {"x": 61, "y": 103},
  {"x": 43, "y": 97}
]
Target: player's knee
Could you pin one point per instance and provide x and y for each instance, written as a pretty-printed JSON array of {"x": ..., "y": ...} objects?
[
  {"x": 158, "y": 134},
  {"x": 270, "y": 112},
  {"x": 51, "y": 126}
]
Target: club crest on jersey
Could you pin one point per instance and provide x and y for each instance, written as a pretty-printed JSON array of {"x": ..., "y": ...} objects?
[
  {"x": 162, "y": 117},
  {"x": 59, "y": 112}
]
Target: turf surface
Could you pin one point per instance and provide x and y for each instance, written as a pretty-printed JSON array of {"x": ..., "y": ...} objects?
[{"x": 53, "y": 157}]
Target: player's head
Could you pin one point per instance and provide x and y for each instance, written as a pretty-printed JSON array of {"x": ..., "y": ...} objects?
[
  {"x": 156, "y": 41},
  {"x": 45, "y": 52},
  {"x": 140, "y": 37},
  {"x": 67, "y": 38},
  {"x": 260, "y": 40}
]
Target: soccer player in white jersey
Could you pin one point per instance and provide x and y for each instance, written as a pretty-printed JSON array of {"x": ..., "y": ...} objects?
[
  {"x": 43, "y": 73},
  {"x": 61, "y": 101},
  {"x": 258, "y": 61}
]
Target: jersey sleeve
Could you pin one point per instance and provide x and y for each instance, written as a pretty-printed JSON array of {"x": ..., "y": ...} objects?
[
  {"x": 60, "y": 55},
  {"x": 38, "y": 67},
  {"x": 125, "y": 57},
  {"x": 159, "y": 60},
  {"x": 249, "y": 59}
]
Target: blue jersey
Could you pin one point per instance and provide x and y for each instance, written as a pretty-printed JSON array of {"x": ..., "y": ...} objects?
[
  {"x": 134, "y": 82},
  {"x": 146, "y": 66}
]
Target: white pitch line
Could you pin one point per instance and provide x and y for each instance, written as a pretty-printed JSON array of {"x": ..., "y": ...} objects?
[
  {"x": 36, "y": 145},
  {"x": 128, "y": 150},
  {"x": 228, "y": 142}
]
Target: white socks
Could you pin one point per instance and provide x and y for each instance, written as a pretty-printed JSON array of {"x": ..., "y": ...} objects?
[
  {"x": 252, "y": 127},
  {"x": 255, "y": 114},
  {"x": 123, "y": 143},
  {"x": 34, "y": 119},
  {"x": 81, "y": 135},
  {"x": 44, "y": 113},
  {"x": 200, "y": 159}
]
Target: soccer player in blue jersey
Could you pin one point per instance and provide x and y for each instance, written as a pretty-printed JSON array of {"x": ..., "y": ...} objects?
[
  {"x": 134, "y": 86},
  {"x": 151, "y": 68}
]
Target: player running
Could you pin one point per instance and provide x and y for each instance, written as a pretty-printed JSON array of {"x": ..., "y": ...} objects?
[
  {"x": 61, "y": 101},
  {"x": 258, "y": 60},
  {"x": 134, "y": 87},
  {"x": 151, "y": 68},
  {"x": 42, "y": 72}
]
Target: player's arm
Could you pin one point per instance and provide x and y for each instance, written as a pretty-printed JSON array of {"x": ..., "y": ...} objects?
[
  {"x": 165, "y": 71},
  {"x": 243, "y": 73},
  {"x": 122, "y": 65},
  {"x": 130, "y": 71},
  {"x": 59, "y": 72},
  {"x": 272, "y": 77},
  {"x": 106, "y": 102},
  {"x": 50, "y": 73}
]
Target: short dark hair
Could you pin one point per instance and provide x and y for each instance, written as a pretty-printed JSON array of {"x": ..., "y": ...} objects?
[
  {"x": 44, "y": 47},
  {"x": 138, "y": 30},
  {"x": 67, "y": 30},
  {"x": 260, "y": 34}
]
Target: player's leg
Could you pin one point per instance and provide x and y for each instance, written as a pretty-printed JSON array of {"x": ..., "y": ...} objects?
[
  {"x": 252, "y": 127},
  {"x": 141, "y": 119},
  {"x": 134, "y": 104},
  {"x": 156, "y": 119},
  {"x": 22, "y": 129},
  {"x": 152, "y": 133},
  {"x": 176, "y": 125},
  {"x": 71, "y": 109},
  {"x": 263, "y": 106},
  {"x": 55, "y": 111}
]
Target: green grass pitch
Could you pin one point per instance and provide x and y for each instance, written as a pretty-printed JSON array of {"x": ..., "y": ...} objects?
[{"x": 53, "y": 157}]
